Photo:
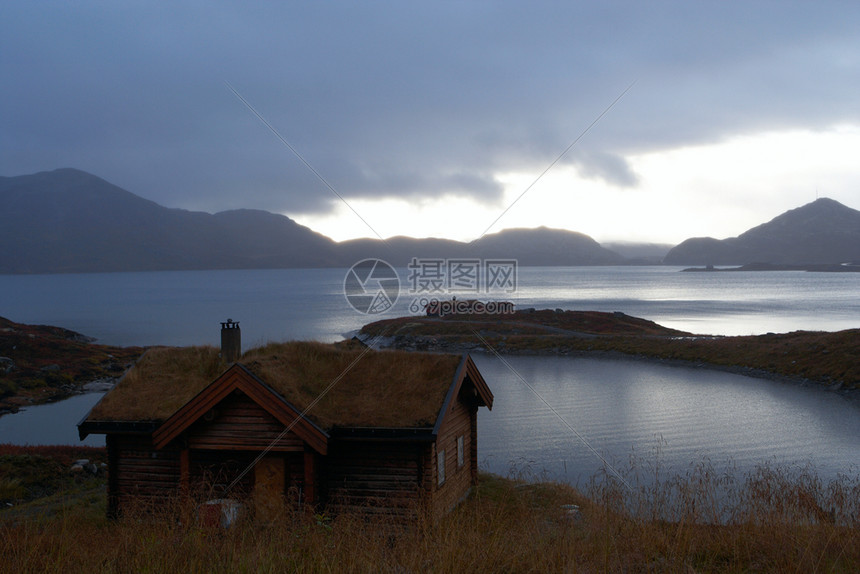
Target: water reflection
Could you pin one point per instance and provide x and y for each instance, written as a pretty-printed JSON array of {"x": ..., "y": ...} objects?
[
  {"x": 625, "y": 408},
  {"x": 54, "y": 423}
]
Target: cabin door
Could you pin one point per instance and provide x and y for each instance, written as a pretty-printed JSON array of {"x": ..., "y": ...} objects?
[{"x": 269, "y": 486}]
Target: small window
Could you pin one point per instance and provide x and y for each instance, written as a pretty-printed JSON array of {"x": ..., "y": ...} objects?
[
  {"x": 461, "y": 455},
  {"x": 440, "y": 463}
]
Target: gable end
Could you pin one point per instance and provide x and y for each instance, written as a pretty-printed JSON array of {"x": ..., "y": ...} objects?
[
  {"x": 466, "y": 370},
  {"x": 239, "y": 378}
]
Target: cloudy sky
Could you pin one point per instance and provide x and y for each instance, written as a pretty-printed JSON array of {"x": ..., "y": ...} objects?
[{"x": 688, "y": 118}]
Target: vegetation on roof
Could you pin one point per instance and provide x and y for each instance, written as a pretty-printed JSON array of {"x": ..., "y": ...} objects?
[
  {"x": 160, "y": 383},
  {"x": 380, "y": 389},
  {"x": 383, "y": 389}
]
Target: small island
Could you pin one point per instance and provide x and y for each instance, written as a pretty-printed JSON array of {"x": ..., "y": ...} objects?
[
  {"x": 828, "y": 359},
  {"x": 812, "y": 267},
  {"x": 40, "y": 364}
]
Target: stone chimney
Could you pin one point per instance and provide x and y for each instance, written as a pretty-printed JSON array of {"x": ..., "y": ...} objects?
[{"x": 231, "y": 341}]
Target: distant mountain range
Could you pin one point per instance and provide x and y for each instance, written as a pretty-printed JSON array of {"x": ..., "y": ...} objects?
[
  {"x": 68, "y": 220},
  {"x": 821, "y": 232}
]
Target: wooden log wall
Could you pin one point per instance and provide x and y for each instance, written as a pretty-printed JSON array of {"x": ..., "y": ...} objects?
[
  {"x": 139, "y": 474},
  {"x": 295, "y": 477},
  {"x": 212, "y": 471},
  {"x": 373, "y": 478},
  {"x": 458, "y": 422},
  {"x": 238, "y": 423}
]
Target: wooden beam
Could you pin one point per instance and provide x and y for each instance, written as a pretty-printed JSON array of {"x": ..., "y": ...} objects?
[
  {"x": 113, "y": 476},
  {"x": 473, "y": 445},
  {"x": 185, "y": 471},
  {"x": 310, "y": 477}
]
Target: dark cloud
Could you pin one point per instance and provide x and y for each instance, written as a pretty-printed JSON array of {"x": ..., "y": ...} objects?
[
  {"x": 398, "y": 99},
  {"x": 611, "y": 168}
]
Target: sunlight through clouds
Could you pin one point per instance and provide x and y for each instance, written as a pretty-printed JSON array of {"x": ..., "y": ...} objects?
[{"x": 716, "y": 190}]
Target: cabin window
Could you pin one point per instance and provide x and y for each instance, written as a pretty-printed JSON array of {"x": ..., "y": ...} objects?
[
  {"x": 461, "y": 457},
  {"x": 440, "y": 464}
]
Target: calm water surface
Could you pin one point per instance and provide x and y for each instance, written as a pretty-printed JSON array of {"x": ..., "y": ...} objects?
[
  {"x": 634, "y": 408},
  {"x": 53, "y": 423},
  {"x": 184, "y": 307}
]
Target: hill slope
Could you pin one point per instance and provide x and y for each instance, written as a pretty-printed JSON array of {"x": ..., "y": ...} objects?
[
  {"x": 67, "y": 220},
  {"x": 821, "y": 232}
]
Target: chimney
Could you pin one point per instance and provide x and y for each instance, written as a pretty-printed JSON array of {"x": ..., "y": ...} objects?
[{"x": 231, "y": 341}]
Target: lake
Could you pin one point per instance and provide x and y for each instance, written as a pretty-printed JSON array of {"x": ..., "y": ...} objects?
[
  {"x": 185, "y": 307},
  {"x": 53, "y": 423},
  {"x": 656, "y": 413},
  {"x": 620, "y": 408}
]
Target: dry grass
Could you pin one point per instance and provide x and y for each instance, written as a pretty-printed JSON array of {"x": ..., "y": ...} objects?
[
  {"x": 163, "y": 380},
  {"x": 506, "y": 526},
  {"x": 382, "y": 389}
]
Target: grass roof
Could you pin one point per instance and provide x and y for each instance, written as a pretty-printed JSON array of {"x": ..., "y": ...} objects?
[
  {"x": 383, "y": 389},
  {"x": 159, "y": 384}
]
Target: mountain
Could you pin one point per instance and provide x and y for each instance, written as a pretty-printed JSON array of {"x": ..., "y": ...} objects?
[
  {"x": 67, "y": 220},
  {"x": 821, "y": 232},
  {"x": 399, "y": 251},
  {"x": 640, "y": 253},
  {"x": 544, "y": 247},
  {"x": 536, "y": 247}
]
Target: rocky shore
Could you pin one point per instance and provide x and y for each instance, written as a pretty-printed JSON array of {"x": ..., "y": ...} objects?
[
  {"x": 821, "y": 359},
  {"x": 41, "y": 364}
]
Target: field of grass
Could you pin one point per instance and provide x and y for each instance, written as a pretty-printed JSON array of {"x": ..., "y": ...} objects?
[
  {"x": 770, "y": 521},
  {"x": 30, "y": 473}
]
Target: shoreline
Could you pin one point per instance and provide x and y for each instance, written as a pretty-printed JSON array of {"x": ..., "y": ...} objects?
[
  {"x": 41, "y": 364},
  {"x": 821, "y": 359},
  {"x": 422, "y": 345}
]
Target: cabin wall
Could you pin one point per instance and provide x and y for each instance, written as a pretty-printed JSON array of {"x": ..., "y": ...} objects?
[
  {"x": 139, "y": 474},
  {"x": 205, "y": 459},
  {"x": 383, "y": 477},
  {"x": 239, "y": 423},
  {"x": 212, "y": 471},
  {"x": 460, "y": 421},
  {"x": 374, "y": 478}
]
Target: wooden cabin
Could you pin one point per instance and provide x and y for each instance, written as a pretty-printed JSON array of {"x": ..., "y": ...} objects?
[{"x": 291, "y": 424}]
